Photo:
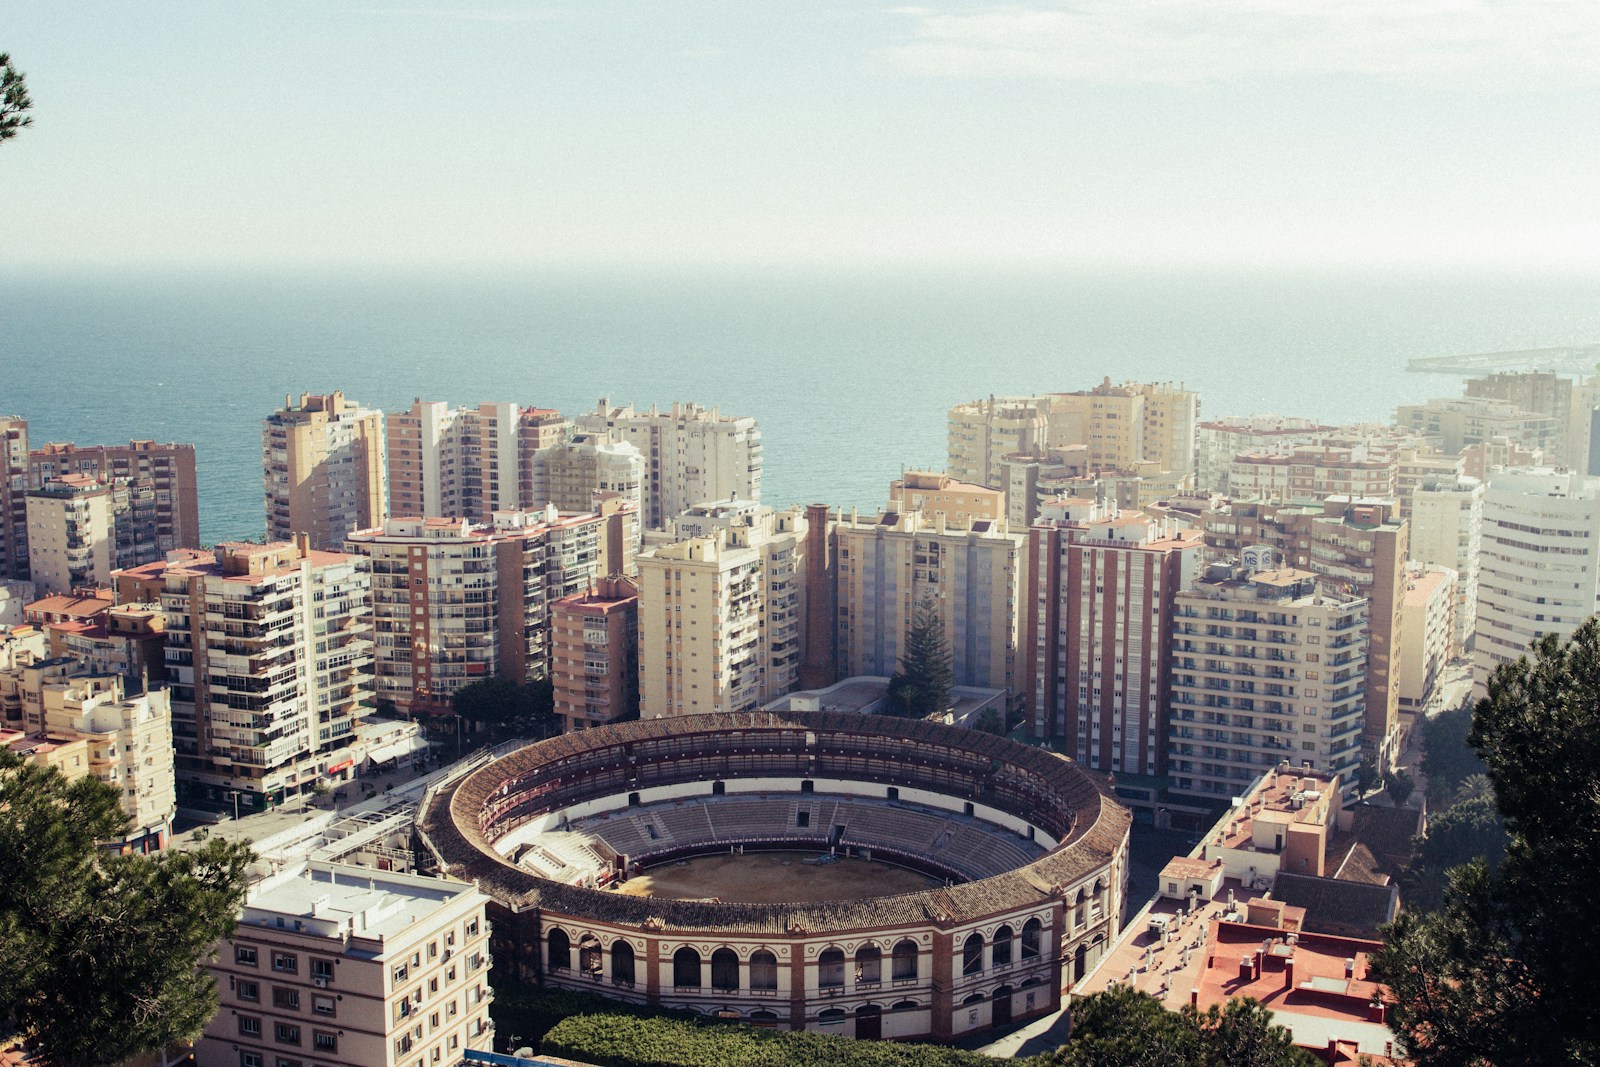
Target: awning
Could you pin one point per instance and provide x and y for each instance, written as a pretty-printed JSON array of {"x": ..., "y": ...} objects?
[
  {"x": 397, "y": 749},
  {"x": 344, "y": 764}
]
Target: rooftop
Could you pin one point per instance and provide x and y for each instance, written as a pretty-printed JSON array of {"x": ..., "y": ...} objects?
[{"x": 332, "y": 899}]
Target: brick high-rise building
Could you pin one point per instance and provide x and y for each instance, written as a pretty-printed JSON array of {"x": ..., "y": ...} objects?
[
  {"x": 269, "y": 656},
  {"x": 1099, "y": 590},
  {"x": 166, "y": 469},
  {"x": 324, "y": 471},
  {"x": 594, "y": 653}
]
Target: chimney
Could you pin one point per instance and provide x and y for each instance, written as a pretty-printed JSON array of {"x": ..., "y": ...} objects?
[
  {"x": 1350, "y": 968},
  {"x": 1288, "y": 973},
  {"x": 1194, "y": 998}
]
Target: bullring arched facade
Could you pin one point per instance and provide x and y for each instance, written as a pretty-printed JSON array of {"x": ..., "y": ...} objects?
[{"x": 935, "y": 964}]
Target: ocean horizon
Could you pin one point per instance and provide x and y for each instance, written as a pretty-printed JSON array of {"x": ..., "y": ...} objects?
[{"x": 849, "y": 371}]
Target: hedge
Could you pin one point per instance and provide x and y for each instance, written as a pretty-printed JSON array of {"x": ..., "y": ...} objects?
[
  {"x": 526, "y": 1012},
  {"x": 625, "y": 1041}
]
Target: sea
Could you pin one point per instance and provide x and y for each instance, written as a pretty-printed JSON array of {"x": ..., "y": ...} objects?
[{"x": 849, "y": 370}]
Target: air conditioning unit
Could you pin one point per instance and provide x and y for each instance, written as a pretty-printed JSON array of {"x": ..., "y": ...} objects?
[{"x": 320, "y": 981}]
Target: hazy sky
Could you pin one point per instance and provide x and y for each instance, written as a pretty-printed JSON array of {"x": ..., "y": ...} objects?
[{"x": 1451, "y": 132}]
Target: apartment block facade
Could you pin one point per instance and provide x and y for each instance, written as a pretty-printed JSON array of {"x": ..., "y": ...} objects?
[
  {"x": 887, "y": 567},
  {"x": 342, "y": 966},
  {"x": 164, "y": 472},
  {"x": 1100, "y": 590},
  {"x": 269, "y": 657},
  {"x": 454, "y": 602},
  {"x": 1218, "y": 441},
  {"x": 1264, "y": 669},
  {"x": 722, "y": 619},
  {"x": 594, "y": 653},
  {"x": 14, "y": 486},
  {"x": 979, "y": 433},
  {"x": 1447, "y": 531},
  {"x": 324, "y": 470},
  {"x": 71, "y": 535},
  {"x": 692, "y": 454},
  {"x": 446, "y": 462},
  {"x": 1427, "y": 633}
]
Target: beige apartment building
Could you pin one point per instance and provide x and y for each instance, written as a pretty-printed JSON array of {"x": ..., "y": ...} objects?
[
  {"x": 981, "y": 432},
  {"x": 269, "y": 657},
  {"x": 1427, "y": 633},
  {"x": 722, "y": 618},
  {"x": 13, "y": 497},
  {"x": 1218, "y": 441},
  {"x": 71, "y": 536},
  {"x": 961, "y": 503},
  {"x": 570, "y": 474},
  {"x": 1470, "y": 420},
  {"x": 1130, "y": 427},
  {"x": 692, "y": 454},
  {"x": 594, "y": 653},
  {"x": 446, "y": 462},
  {"x": 342, "y": 966},
  {"x": 1031, "y": 480},
  {"x": 888, "y": 566},
  {"x": 323, "y": 464},
  {"x": 167, "y": 471},
  {"x": 1447, "y": 531},
  {"x": 454, "y": 602}
]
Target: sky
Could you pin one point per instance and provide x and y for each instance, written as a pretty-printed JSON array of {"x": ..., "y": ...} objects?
[{"x": 1098, "y": 133}]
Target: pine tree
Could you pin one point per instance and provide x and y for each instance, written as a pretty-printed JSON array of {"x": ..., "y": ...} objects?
[
  {"x": 927, "y": 674},
  {"x": 14, "y": 101}
]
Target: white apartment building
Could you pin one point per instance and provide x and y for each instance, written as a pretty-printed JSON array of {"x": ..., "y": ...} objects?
[
  {"x": 455, "y": 602},
  {"x": 342, "y": 966},
  {"x": 722, "y": 617},
  {"x": 1264, "y": 669},
  {"x": 466, "y": 463},
  {"x": 568, "y": 475},
  {"x": 691, "y": 453},
  {"x": 269, "y": 655},
  {"x": 1447, "y": 531},
  {"x": 1427, "y": 632},
  {"x": 1218, "y": 441},
  {"x": 1539, "y": 569}
]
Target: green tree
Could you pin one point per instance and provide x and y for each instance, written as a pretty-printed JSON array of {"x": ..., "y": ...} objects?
[
  {"x": 926, "y": 677},
  {"x": 1243, "y": 1034},
  {"x": 505, "y": 708},
  {"x": 1123, "y": 1027},
  {"x": 1477, "y": 787},
  {"x": 1367, "y": 777},
  {"x": 1447, "y": 757},
  {"x": 1399, "y": 786},
  {"x": 1467, "y": 830},
  {"x": 14, "y": 100},
  {"x": 99, "y": 951},
  {"x": 990, "y": 721},
  {"x": 1501, "y": 974}
]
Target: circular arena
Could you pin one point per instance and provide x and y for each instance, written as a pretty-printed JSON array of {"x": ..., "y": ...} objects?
[{"x": 852, "y": 874}]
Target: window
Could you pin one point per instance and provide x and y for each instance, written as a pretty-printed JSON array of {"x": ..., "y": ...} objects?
[
  {"x": 725, "y": 969},
  {"x": 905, "y": 961},
  {"x": 249, "y": 1026},
  {"x": 401, "y": 973},
  {"x": 247, "y": 991},
  {"x": 763, "y": 971},
  {"x": 972, "y": 955},
  {"x": 686, "y": 968},
  {"x": 287, "y": 999},
  {"x": 1032, "y": 936},
  {"x": 1002, "y": 947},
  {"x": 285, "y": 962},
  {"x": 472, "y": 928},
  {"x": 287, "y": 1063},
  {"x": 249, "y": 1059},
  {"x": 869, "y": 965},
  {"x": 621, "y": 965},
  {"x": 244, "y": 955},
  {"x": 322, "y": 969},
  {"x": 830, "y": 969},
  {"x": 560, "y": 954},
  {"x": 322, "y": 1005},
  {"x": 286, "y": 1033},
  {"x": 323, "y": 1041}
]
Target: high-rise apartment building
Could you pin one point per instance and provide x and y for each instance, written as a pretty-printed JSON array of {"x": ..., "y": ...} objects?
[
  {"x": 1461, "y": 421},
  {"x": 455, "y": 602},
  {"x": 1427, "y": 633},
  {"x": 13, "y": 497},
  {"x": 1030, "y": 480},
  {"x": 1132, "y": 427},
  {"x": 692, "y": 454},
  {"x": 722, "y": 619},
  {"x": 961, "y": 503},
  {"x": 1264, "y": 669},
  {"x": 467, "y": 463},
  {"x": 1539, "y": 570},
  {"x": 889, "y": 566},
  {"x": 1099, "y": 589},
  {"x": 1447, "y": 531},
  {"x": 162, "y": 473},
  {"x": 71, "y": 535},
  {"x": 269, "y": 656},
  {"x": 348, "y": 966},
  {"x": 324, "y": 470},
  {"x": 1356, "y": 548},
  {"x": 981, "y": 432},
  {"x": 594, "y": 653},
  {"x": 1096, "y": 626},
  {"x": 569, "y": 474},
  {"x": 1218, "y": 441}
]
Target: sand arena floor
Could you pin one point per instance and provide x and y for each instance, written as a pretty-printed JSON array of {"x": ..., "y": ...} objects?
[{"x": 774, "y": 878}]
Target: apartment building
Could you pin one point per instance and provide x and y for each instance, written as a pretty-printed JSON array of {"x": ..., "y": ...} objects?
[
  {"x": 1030, "y": 480},
  {"x": 569, "y": 474},
  {"x": 446, "y": 462},
  {"x": 323, "y": 466},
  {"x": 13, "y": 497},
  {"x": 269, "y": 656},
  {"x": 1461, "y": 421},
  {"x": 1100, "y": 590},
  {"x": 1218, "y": 441},
  {"x": 980, "y": 432},
  {"x": 1130, "y": 427},
  {"x": 1311, "y": 472},
  {"x": 1427, "y": 633},
  {"x": 454, "y": 602},
  {"x": 1355, "y": 547},
  {"x": 1539, "y": 568},
  {"x": 71, "y": 535},
  {"x": 1447, "y": 531},
  {"x": 1264, "y": 668},
  {"x": 163, "y": 473},
  {"x": 342, "y": 966},
  {"x": 594, "y": 653},
  {"x": 935, "y": 493},
  {"x": 722, "y": 619},
  {"x": 888, "y": 566},
  {"x": 692, "y": 454}
]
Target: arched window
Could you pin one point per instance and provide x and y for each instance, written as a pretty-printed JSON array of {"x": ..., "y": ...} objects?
[
  {"x": 560, "y": 952},
  {"x": 831, "y": 1016},
  {"x": 725, "y": 969},
  {"x": 903, "y": 1005},
  {"x": 763, "y": 970},
  {"x": 905, "y": 961},
  {"x": 589, "y": 954},
  {"x": 830, "y": 969},
  {"x": 686, "y": 968},
  {"x": 972, "y": 954},
  {"x": 621, "y": 963},
  {"x": 763, "y": 1017},
  {"x": 1032, "y": 938},
  {"x": 869, "y": 964},
  {"x": 1002, "y": 947},
  {"x": 972, "y": 998}
]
